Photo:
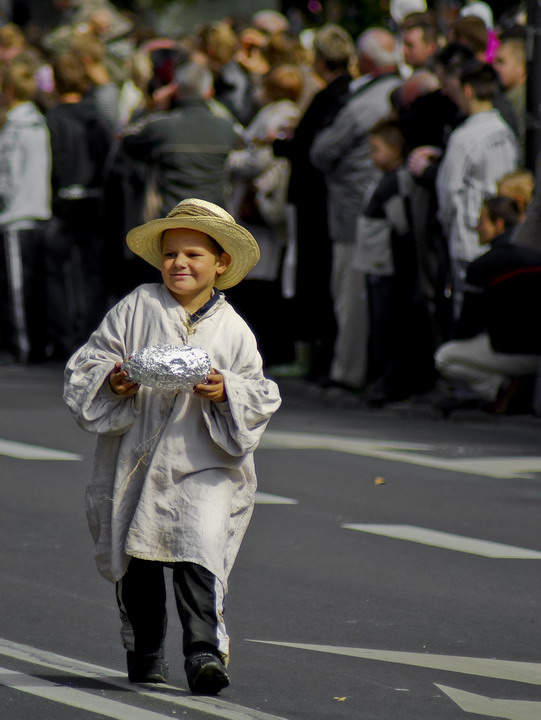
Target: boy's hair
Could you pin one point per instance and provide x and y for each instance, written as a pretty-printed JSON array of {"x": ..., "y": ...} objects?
[
  {"x": 482, "y": 78},
  {"x": 69, "y": 74},
  {"x": 519, "y": 184},
  {"x": 19, "y": 76},
  {"x": 503, "y": 208},
  {"x": 470, "y": 31},
  {"x": 218, "y": 249},
  {"x": 390, "y": 132},
  {"x": 335, "y": 46},
  {"x": 284, "y": 82}
]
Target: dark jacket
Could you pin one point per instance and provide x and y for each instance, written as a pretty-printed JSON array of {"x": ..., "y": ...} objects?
[
  {"x": 499, "y": 284},
  {"x": 187, "y": 148},
  {"x": 307, "y": 183},
  {"x": 80, "y": 144}
]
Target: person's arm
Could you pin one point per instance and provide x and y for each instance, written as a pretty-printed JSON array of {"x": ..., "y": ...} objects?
[
  {"x": 450, "y": 181},
  {"x": 100, "y": 397},
  {"x": 333, "y": 143},
  {"x": 237, "y": 424}
]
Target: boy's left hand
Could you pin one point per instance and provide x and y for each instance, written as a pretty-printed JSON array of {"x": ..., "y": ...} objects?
[{"x": 213, "y": 389}]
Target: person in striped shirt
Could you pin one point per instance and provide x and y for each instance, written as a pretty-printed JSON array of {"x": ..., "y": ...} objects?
[{"x": 479, "y": 152}]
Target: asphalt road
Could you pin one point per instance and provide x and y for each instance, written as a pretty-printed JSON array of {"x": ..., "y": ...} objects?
[{"x": 391, "y": 570}]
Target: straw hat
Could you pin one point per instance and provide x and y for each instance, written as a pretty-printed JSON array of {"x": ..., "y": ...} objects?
[{"x": 194, "y": 214}]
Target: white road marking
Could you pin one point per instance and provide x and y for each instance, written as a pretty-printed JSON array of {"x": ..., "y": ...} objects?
[
  {"x": 74, "y": 698},
  {"x": 486, "y": 548},
  {"x": 23, "y": 451},
  {"x": 165, "y": 693},
  {"x": 480, "y": 705},
  {"x": 263, "y": 498},
  {"x": 497, "y": 467},
  {"x": 523, "y": 672}
]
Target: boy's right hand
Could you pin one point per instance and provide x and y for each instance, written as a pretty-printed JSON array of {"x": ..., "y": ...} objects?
[{"x": 120, "y": 382}]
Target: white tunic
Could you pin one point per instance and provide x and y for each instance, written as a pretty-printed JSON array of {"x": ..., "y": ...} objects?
[{"x": 174, "y": 476}]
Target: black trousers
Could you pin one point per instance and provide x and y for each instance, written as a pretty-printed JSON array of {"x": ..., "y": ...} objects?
[
  {"x": 141, "y": 596},
  {"x": 23, "y": 298}
]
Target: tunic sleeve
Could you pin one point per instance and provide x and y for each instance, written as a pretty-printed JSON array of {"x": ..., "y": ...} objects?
[
  {"x": 94, "y": 406},
  {"x": 238, "y": 424}
]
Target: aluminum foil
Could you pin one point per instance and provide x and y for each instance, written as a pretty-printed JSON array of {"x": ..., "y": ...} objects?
[{"x": 169, "y": 367}]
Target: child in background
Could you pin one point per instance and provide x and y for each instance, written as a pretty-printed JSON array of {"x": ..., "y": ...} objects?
[
  {"x": 386, "y": 252},
  {"x": 479, "y": 375},
  {"x": 174, "y": 480}
]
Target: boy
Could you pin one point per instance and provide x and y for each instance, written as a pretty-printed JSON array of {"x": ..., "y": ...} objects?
[
  {"x": 174, "y": 478},
  {"x": 476, "y": 371},
  {"x": 386, "y": 252}
]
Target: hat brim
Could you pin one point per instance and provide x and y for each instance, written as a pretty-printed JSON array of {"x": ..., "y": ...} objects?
[{"x": 235, "y": 240}]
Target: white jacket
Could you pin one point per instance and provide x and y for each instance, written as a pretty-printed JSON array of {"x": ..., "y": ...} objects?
[
  {"x": 174, "y": 475},
  {"x": 25, "y": 166}
]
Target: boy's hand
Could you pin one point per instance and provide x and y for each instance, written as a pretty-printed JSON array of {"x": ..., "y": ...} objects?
[
  {"x": 213, "y": 389},
  {"x": 120, "y": 382}
]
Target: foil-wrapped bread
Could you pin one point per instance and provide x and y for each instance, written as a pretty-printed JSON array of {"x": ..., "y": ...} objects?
[{"x": 168, "y": 367}]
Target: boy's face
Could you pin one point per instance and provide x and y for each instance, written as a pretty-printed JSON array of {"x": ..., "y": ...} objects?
[
  {"x": 511, "y": 71},
  {"x": 384, "y": 156},
  {"x": 190, "y": 266},
  {"x": 487, "y": 229}
]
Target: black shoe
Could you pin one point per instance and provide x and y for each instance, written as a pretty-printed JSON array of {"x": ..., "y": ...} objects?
[
  {"x": 206, "y": 673},
  {"x": 449, "y": 404},
  {"x": 151, "y": 668}
]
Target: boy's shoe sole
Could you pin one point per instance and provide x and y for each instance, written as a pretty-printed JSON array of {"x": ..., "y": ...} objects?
[{"x": 206, "y": 673}]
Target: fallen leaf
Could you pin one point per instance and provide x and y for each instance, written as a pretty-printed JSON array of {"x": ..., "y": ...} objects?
[
  {"x": 341, "y": 699},
  {"x": 379, "y": 481}
]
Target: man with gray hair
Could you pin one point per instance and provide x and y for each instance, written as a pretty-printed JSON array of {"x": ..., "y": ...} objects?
[
  {"x": 186, "y": 147},
  {"x": 342, "y": 153}
]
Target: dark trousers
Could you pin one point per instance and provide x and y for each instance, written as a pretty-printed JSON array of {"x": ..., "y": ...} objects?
[
  {"x": 23, "y": 307},
  {"x": 141, "y": 596}
]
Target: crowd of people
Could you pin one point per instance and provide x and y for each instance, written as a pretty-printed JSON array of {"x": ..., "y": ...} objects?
[{"x": 367, "y": 168}]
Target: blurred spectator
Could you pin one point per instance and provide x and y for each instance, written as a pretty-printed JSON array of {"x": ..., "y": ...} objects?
[
  {"x": 483, "y": 11},
  {"x": 386, "y": 251},
  {"x": 315, "y": 324},
  {"x": 186, "y": 147},
  {"x": 25, "y": 169},
  {"x": 519, "y": 186},
  {"x": 80, "y": 144},
  {"x": 472, "y": 32},
  {"x": 419, "y": 36},
  {"x": 479, "y": 152},
  {"x": 102, "y": 90},
  {"x": 400, "y": 9},
  {"x": 270, "y": 21},
  {"x": 232, "y": 83},
  {"x": 285, "y": 48},
  {"x": 342, "y": 152},
  {"x": 134, "y": 92},
  {"x": 483, "y": 364},
  {"x": 259, "y": 192},
  {"x": 510, "y": 64}
]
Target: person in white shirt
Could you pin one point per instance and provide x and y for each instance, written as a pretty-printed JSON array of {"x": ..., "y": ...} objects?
[{"x": 480, "y": 151}]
